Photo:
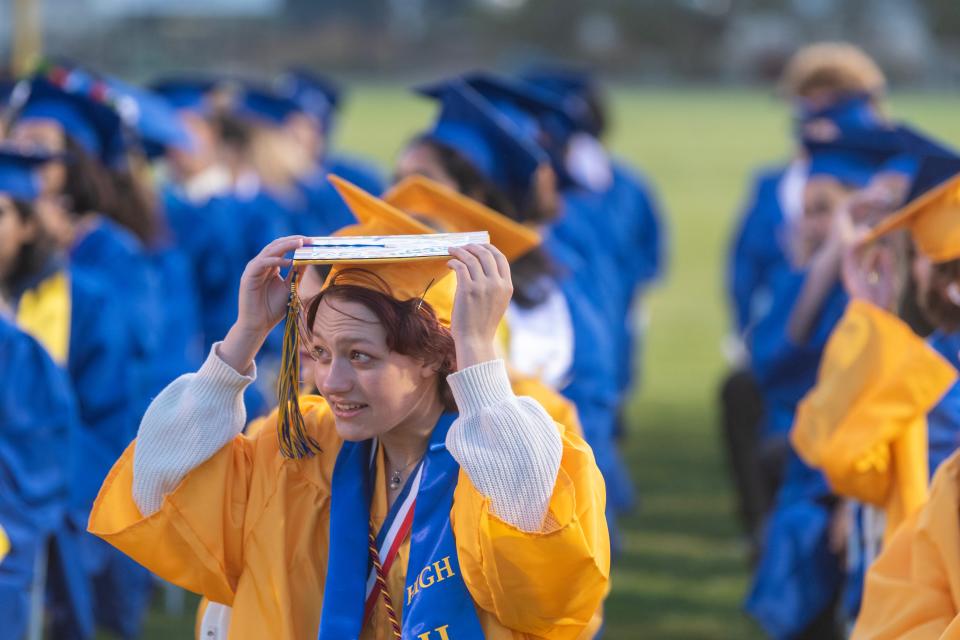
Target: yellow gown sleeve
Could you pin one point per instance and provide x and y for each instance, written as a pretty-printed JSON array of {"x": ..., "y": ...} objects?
[
  {"x": 195, "y": 540},
  {"x": 864, "y": 422},
  {"x": 550, "y": 583},
  {"x": 912, "y": 591}
]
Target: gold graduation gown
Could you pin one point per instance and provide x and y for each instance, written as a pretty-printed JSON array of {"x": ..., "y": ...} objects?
[
  {"x": 250, "y": 529},
  {"x": 864, "y": 423},
  {"x": 912, "y": 591}
]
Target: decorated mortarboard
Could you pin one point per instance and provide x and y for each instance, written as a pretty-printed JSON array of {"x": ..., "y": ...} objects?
[
  {"x": 316, "y": 95},
  {"x": 19, "y": 177},
  {"x": 387, "y": 251},
  {"x": 455, "y": 212},
  {"x": 496, "y": 147},
  {"x": 76, "y": 100}
]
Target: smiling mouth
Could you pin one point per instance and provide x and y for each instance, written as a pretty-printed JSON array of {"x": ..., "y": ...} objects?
[{"x": 347, "y": 409}]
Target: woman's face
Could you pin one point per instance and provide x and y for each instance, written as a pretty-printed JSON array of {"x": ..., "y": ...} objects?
[
  {"x": 58, "y": 223},
  {"x": 46, "y": 135},
  {"x": 420, "y": 160},
  {"x": 14, "y": 234},
  {"x": 822, "y": 198},
  {"x": 370, "y": 389}
]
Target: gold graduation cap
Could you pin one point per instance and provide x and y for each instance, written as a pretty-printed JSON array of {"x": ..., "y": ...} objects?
[
  {"x": 457, "y": 213},
  {"x": 933, "y": 219},
  {"x": 386, "y": 250}
]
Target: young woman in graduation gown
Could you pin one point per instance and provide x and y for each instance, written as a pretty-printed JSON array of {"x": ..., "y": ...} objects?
[{"x": 507, "y": 536}]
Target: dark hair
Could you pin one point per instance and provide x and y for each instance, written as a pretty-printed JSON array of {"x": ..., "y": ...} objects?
[
  {"x": 411, "y": 326},
  {"x": 88, "y": 185},
  {"x": 939, "y": 309},
  {"x": 34, "y": 255},
  {"x": 528, "y": 271},
  {"x": 134, "y": 208}
]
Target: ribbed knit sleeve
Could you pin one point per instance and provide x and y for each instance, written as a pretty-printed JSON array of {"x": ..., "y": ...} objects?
[
  {"x": 508, "y": 445},
  {"x": 188, "y": 422}
]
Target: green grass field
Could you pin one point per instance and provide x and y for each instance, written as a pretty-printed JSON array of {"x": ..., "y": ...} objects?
[{"x": 683, "y": 571}]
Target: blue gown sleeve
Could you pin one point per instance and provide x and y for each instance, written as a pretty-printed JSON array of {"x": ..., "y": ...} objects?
[{"x": 756, "y": 253}]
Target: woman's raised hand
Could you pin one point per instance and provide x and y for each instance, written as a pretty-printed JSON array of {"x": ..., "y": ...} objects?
[
  {"x": 263, "y": 302},
  {"x": 484, "y": 289}
]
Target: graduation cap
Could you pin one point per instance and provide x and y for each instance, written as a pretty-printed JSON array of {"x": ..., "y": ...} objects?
[
  {"x": 18, "y": 172},
  {"x": 571, "y": 85},
  {"x": 455, "y": 212},
  {"x": 188, "y": 93},
  {"x": 532, "y": 109},
  {"x": 856, "y": 154},
  {"x": 75, "y": 100},
  {"x": 933, "y": 216},
  {"x": 149, "y": 117},
  {"x": 264, "y": 105},
  {"x": 932, "y": 209},
  {"x": 316, "y": 95},
  {"x": 387, "y": 251},
  {"x": 855, "y": 111},
  {"x": 492, "y": 142}
]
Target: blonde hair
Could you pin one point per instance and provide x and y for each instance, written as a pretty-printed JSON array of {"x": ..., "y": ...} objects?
[{"x": 836, "y": 67}]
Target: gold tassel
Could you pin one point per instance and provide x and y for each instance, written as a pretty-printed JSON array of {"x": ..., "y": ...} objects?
[{"x": 291, "y": 428}]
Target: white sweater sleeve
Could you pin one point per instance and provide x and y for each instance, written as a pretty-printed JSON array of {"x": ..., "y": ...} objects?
[
  {"x": 508, "y": 445},
  {"x": 188, "y": 422}
]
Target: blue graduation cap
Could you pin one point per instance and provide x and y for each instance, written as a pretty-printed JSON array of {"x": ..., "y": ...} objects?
[
  {"x": 75, "y": 99},
  {"x": 258, "y": 103},
  {"x": 491, "y": 141},
  {"x": 187, "y": 93},
  {"x": 316, "y": 95},
  {"x": 926, "y": 161},
  {"x": 18, "y": 172},
  {"x": 574, "y": 87},
  {"x": 853, "y": 112},
  {"x": 150, "y": 118},
  {"x": 856, "y": 154},
  {"x": 530, "y": 108}
]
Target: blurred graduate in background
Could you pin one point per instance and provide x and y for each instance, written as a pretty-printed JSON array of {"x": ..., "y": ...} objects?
[{"x": 827, "y": 86}]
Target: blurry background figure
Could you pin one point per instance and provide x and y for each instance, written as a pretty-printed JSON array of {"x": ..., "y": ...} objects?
[{"x": 827, "y": 86}]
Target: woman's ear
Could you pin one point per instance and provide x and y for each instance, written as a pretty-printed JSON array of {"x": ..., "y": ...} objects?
[{"x": 429, "y": 370}]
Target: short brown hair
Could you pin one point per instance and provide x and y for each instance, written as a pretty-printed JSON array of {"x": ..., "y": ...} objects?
[{"x": 837, "y": 67}]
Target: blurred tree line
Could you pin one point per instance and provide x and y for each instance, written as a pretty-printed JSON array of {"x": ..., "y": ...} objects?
[{"x": 660, "y": 40}]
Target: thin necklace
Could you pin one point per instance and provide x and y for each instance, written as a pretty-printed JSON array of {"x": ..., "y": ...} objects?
[{"x": 396, "y": 478}]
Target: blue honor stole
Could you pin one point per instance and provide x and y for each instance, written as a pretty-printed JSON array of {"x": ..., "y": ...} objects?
[{"x": 436, "y": 602}]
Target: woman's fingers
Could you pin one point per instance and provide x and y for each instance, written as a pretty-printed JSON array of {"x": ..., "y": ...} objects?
[
  {"x": 503, "y": 265},
  {"x": 484, "y": 255},
  {"x": 283, "y": 245},
  {"x": 470, "y": 261}
]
